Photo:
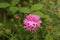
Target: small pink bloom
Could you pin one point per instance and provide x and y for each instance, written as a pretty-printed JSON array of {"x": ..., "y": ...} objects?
[
  {"x": 32, "y": 22},
  {"x": 17, "y": 17}
]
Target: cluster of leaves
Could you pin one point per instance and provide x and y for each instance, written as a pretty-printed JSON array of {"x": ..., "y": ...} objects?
[{"x": 13, "y": 12}]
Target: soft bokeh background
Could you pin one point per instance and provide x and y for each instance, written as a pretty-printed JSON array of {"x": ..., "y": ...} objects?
[{"x": 13, "y": 12}]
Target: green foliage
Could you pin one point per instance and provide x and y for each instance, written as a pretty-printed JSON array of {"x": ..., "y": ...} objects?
[
  {"x": 58, "y": 15},
  {"x": 24, "y": 10},
  {"x": 4, "y": 5},
  {"x": 1, "y": 33},
  {"x": 14, "y": 2},
  {"x": 40, "y": 14},
  {"x": 13, "y": 38},
  {"x": 36, "y": 7},
  {"x": 13, "y": 9},
  {"x": 48, "y": 37}
]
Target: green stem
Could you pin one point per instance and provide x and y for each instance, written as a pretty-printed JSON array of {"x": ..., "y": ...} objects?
[
  {"x": 34, "y": 35},
  {"x": 6, "y": 36},
  {"x": 4, "y": 18}
]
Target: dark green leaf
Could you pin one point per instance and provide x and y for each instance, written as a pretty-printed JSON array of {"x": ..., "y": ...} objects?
[
  {"x": 14, "y": 2},
  {"x": 13, "y": 9},
  {"x": 4, "y": 5},
  {"x": 39, "y": 13},
  {"x": 36, "y": 7},
  {"x": 24, "y": 10}
]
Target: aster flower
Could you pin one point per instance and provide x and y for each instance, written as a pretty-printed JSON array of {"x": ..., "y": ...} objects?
[{"x": 32, "y": 22}]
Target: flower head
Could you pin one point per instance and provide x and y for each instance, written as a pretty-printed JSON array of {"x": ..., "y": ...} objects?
[{"x": 32, "y": 22}]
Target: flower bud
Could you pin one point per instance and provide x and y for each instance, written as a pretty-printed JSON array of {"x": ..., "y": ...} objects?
[{"x": 17, "y": 17}]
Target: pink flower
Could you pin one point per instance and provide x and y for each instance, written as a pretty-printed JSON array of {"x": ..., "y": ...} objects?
[{"x": 32, "y": 22}]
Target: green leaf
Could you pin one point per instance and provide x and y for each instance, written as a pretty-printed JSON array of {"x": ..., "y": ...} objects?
[
  {"x": 58, "y": 15},
  {"x": 13, "y": 9},
  {"x": 13, "y": 38},
  {"x": 48, "y": 37},
  {"x": 24, "y": 10},
  {"x": 48, "y": 20},
  {"x": 4, "y": 5},
  {"x": 36, "y": 7},
  {"x": 39, "y": 13},
  {"x": 14, "y": 2},
  {"x": 1, "y": 33}
]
